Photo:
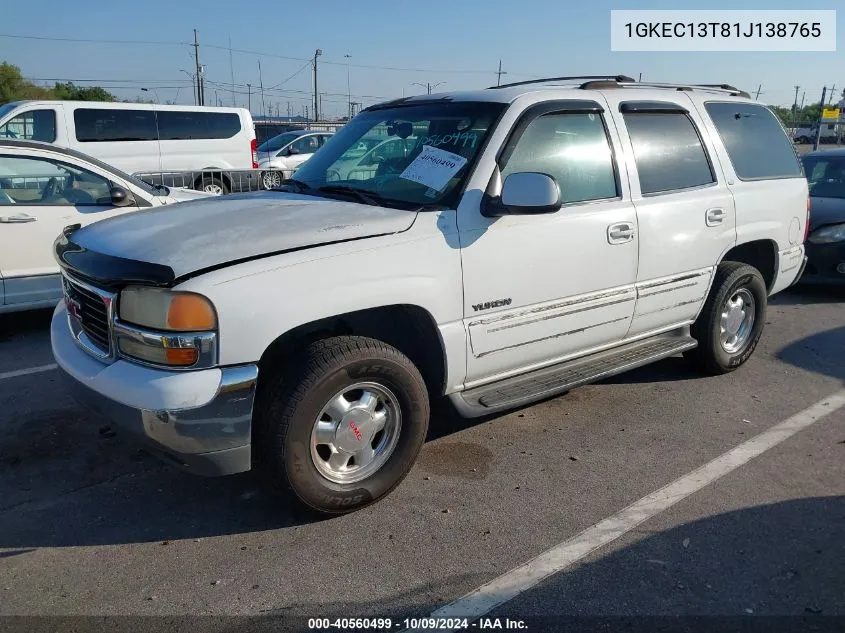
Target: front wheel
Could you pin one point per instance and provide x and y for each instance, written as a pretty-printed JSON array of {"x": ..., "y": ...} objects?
[
  {"x": 213, "y": 184},
  {"x": 342, "y": 426},
  {"x": 731, "y": 322},
  {"x": 272, "y": 179}
]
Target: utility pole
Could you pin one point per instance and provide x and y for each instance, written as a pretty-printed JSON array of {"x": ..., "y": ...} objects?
[
  {"x": 317, "y": 53},
  {"x": 803, "y": 94},
  {"x": 795, "y": 105},
  {"x": 232, "y": 72},
  {"x": 288, "y": 109},
  {"x": 759, "y": 88},
  {"x": 641, "y": 77},
  {"x": 832, "y": 93},
  {"x": 499, "y": 74},
  {"x": 819, "y": 124},
  {"x": 200, "y": 86},
  {"x": 348, "y": 89},
  {"x": 261, "y": 84},
  {"x": 249, "y": 97}
]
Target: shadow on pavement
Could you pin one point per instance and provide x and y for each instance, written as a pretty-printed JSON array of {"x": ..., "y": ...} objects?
[
  {"x": 806, "y": 294},
  {"x": 18, "y": 323},
  {"x": 822, "y": 353},
  {"x": 780, "y": 559}
]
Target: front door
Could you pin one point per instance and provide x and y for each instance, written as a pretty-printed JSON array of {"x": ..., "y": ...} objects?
[
  {"x": 540, "y": 288},
  {"x": 38, "y": 198}
]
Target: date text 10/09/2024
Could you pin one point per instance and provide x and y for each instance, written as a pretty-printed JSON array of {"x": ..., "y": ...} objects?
[
  {"x": 723, "y": 29},
  {"x": 430, "y": 624}
]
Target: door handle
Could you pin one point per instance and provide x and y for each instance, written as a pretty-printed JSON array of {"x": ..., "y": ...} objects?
[
  {"x": 714, "y": 217},
  {"x": 620, "y": 233},
  {"x": 18, "y": 218}
]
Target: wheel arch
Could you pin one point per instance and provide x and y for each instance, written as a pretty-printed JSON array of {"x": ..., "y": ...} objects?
[
  {"x": 408, "y": 327},
  {"x": 762, "y": 254}
]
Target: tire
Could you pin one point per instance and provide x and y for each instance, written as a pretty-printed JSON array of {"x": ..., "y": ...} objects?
[
  {"x": 733, "y": 284},
  {"x": 213, "y": 184},
  {"x": 293, "y": 400},
  {"x": 272, "y": 178}
]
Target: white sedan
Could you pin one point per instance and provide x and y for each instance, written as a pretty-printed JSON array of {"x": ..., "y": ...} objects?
[{"x": 43, "y": 189}]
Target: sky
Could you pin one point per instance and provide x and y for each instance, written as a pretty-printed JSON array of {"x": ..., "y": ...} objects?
[{"x": 393, "y": 45}]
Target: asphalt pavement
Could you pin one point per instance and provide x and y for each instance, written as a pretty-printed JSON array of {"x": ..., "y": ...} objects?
[{"x": 91, "y": 525}]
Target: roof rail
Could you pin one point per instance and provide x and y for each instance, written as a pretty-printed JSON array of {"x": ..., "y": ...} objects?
[
  {"x": 613, "y": 78},
  {"x": 650, "y": 84}
]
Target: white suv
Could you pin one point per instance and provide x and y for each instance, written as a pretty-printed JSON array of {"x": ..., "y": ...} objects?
[{"x": 535, "y": 238}]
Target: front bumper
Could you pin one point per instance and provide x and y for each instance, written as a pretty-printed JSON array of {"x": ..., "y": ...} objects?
[
  {"x": 199, "y": 420},
  {"x": 823, "y": 260}
]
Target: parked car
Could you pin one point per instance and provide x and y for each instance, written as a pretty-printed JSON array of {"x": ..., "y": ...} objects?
[
  {"x": 807, "y": 134},
  {"x": 279, "y": 157},
  {"x": 361, "y": 164},
  {"x": 141, "y": 138},
  {"x": 43, "y": 189},
  {"x": 536, "y": 238},
  {"x": 825, "y": 172}
]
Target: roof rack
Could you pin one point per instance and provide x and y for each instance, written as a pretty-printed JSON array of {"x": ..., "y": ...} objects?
[
  {"x": 611, "y": 78},
  {"x": 726, "y": 88}
]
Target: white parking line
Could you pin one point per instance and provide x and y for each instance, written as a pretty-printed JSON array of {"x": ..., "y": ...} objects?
[
  {"x": 27, "y": 372},
  {"x": 509, "y": 585}
]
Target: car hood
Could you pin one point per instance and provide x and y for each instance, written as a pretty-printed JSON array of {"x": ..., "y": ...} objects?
[
  {"x": 206, "y": 234},
  {"x": 826, "y": 211}
]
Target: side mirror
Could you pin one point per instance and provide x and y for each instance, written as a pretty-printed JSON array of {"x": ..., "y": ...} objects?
[
  {"x": 525, "y": 193},
  {"x": 120, "y": 197}
]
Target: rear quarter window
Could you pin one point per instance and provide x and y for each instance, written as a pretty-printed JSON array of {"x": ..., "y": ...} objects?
[{"x": 755, "y": 140}]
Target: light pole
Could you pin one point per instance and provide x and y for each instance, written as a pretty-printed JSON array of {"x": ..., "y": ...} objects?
[
  {"x": 348, "y": 89},
  {"x": 317, "y": 53},
  {"x": 428, "y": 86},
  {"x": 193, "y": 83},
  {"x": 249, "y": 98}
]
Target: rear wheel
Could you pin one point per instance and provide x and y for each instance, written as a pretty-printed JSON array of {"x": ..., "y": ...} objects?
[
  {"x": 343, "y": 425},
  {"x": 731, "y": 322},
  {"x": 271, "y": 179},
  {"x": 213, "y": 184}
]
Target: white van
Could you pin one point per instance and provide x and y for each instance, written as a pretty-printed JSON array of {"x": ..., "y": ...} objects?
[{"x": 139, "y": 138}]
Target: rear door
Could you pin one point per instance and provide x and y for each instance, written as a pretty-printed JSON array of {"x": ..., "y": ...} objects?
[
  {"x": 685, "y": 211},
  {"x": 39, "y": 196}
]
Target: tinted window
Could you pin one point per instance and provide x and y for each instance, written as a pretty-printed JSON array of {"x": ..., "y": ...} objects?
[
  {"x": 34, "y": 125},
  {"x": 668, "y": 152},
  {"x": 278, "y": 142},
  {"x": 183, "y": 126},
  {"x": 573, "y": 149},
  {"x": 307, "y": 145},
  {"x": 756, "y": 143},
  {"x": 114, "y": 125}
]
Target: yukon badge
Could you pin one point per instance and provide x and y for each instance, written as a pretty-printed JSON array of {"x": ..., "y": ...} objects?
[{"x": 491, "y": 304}]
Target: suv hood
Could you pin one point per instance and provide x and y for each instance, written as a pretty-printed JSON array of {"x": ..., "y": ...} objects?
[{"x": 205, "y": 234}]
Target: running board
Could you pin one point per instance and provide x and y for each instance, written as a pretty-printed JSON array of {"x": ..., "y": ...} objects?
[{"x": 550, "y": 381}]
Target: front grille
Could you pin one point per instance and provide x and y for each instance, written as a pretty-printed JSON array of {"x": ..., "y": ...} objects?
[{"x": 92, "y": 315}]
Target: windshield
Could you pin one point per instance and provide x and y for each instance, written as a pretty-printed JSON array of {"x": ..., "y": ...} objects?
[
  {"x": 415, "y": 154},
  {"x": 278, "y": 142},
  {"x": 825, "y": 176}
]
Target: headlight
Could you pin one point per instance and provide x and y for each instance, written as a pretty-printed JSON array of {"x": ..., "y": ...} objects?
[
  {"x": 166, "y": 310},
  {"x": 828, "y": 234},
  {"x": 174, "y": 329}
]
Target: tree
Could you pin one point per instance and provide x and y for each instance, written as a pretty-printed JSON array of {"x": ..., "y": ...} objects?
[
  {"x": 70, "y": 92},
  {"x": 13, "y": 87}
]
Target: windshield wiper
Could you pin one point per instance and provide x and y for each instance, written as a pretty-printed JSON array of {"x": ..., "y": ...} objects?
[{"x": 367, "y": 197}]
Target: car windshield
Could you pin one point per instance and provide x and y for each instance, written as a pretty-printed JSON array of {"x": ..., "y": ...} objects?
[
  {"x": 422, "y": 154},
  {"x": 278, "y": 142},
  {"x": 825, "y": 176}
]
